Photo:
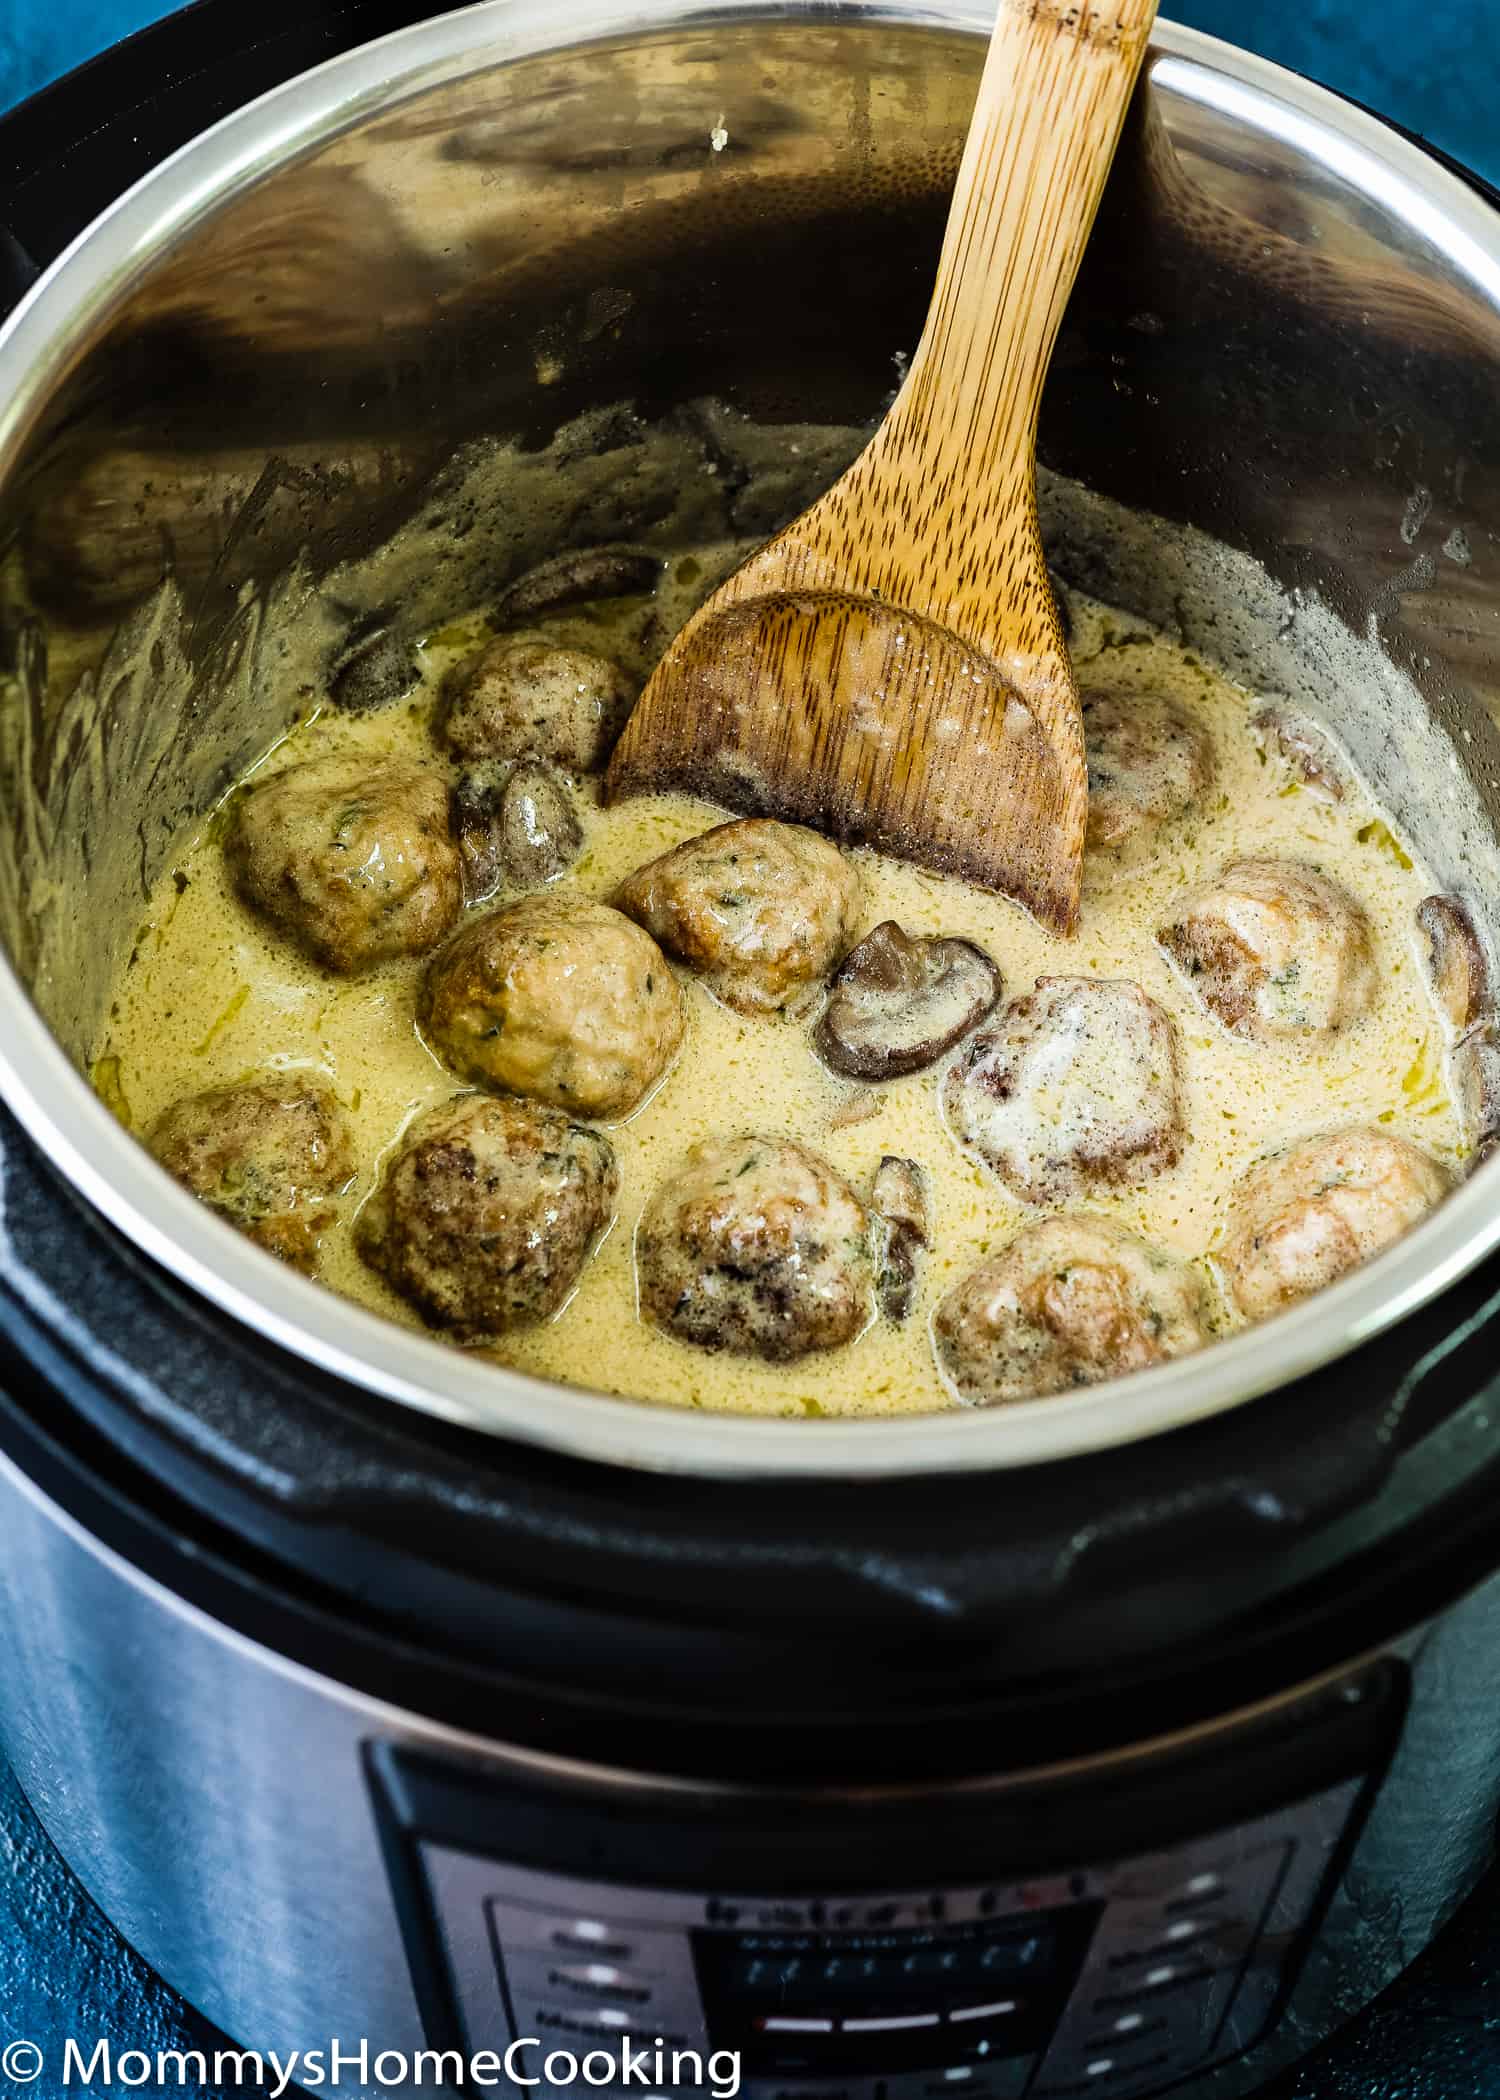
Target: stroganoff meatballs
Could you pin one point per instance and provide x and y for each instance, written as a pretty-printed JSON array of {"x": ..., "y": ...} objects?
[
  {"x": 949, "y": 1200},
  {"x": 1312, "y": 1213},
  {"x": 270, "y": 1155},
  {"x": 559, "y": 999},
  {"x": 1071, "y": 1301},
  {"x": 1150, "y": 761},
  {"x": 486, "y": 1215},
  {"x": 1275, "y": 948},
  {"x": 761, "y": 910},
  {"x": 523, "y": 697},
  {"x": 353, "y": 861},
  {"x": 758, "y": 1246},
  {"x": 1073, "y": 1087}
]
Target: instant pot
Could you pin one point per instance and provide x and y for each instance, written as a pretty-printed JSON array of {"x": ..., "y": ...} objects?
[{"x": 1130, "y": 1740}]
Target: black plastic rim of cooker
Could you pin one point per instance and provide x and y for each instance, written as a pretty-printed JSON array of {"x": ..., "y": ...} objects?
[{"x": 791, "y": 1631}]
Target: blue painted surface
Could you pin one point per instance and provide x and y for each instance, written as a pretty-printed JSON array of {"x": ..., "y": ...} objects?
[{"x": 1434, "y": 66}]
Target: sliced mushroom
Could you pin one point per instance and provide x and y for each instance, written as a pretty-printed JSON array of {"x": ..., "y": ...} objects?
[
  {"x": 574, "y": 579},
  {"x": 1476, "y": 1081},
  {"x": 898, "y": 1197},
  {"x": 474, "y": 803},
  {"x": 1455, "y": 959},
  {"x": 377, "y": 671},
  {"x": 540, "y": 834},
  {"x": 1309, "y": 753},
  {"x": 899, "y": 1000}
]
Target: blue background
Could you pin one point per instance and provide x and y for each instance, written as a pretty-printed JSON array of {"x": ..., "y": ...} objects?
[{"x": 1434, "y": 67}]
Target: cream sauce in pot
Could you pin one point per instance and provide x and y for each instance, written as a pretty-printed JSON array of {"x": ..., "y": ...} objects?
[{"x": 211, "y": 995}]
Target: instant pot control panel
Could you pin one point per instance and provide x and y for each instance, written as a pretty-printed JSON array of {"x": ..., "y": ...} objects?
[
  {"x": 1115, "y": 1981},
  {"x": 830, "y": 1970}
]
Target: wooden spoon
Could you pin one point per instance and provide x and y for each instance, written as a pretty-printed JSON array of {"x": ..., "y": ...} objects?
[{"x": 890, "y": 667}]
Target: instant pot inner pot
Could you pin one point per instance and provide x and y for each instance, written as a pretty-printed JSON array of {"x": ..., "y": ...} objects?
[{"x": 659, "y": 289}]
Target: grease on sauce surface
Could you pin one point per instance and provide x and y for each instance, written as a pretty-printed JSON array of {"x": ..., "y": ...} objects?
[{"x": 212, "y": 995}]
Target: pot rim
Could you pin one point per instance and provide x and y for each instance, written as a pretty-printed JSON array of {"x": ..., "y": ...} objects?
[{"x": 64, "y": 1116}]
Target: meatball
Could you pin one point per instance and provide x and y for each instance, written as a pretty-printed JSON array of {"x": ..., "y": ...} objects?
[
  {"x": 270, "y": 1155},
  {"x": 756, "y": 1245},
  {"x": 558, "y": 998},
  {"x": 487, "y": 1213},
  {"x": 351, "y": 859},
  {"x": 1074, "y": 1086},
  {"x": 1275, "y": 949},
  {"x": 762, "y": 910},
  {"x": 1149, "y": 761},
  {"x": 522, "y": 696},
  {"x": 1071, "y": 1301},
  {"x": 1309, "y": 1215}
]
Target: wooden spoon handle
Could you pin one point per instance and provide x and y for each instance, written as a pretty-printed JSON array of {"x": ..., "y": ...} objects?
[{"x": 1051, "y": 106}]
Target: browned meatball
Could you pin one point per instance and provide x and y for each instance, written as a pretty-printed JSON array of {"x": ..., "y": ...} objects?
[
  {"x": 762, "y": 910},
  {"x": 351, "y": 859},
  {"x": 756, "y": 1245},
  {"x": 486, "y": 1215},
  {"x": 1310, "y": 1214},
  {"x": 269, "y": 1155},
  {"x": 1072, "y": 1087},
  {"x": 522, "y": 696},
  {"x": 1071, "y": 1301},
  {"x": 558, "y": 998},
  {"x": 1275, "y": 948},
  {"x": 1150, "y": 761}
]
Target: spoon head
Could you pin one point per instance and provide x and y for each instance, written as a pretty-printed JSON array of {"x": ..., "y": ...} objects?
[{"x": 879, "y": 728}]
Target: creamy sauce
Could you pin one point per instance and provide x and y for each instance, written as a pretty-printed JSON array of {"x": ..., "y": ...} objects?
[{"x": 211, "y": 995}]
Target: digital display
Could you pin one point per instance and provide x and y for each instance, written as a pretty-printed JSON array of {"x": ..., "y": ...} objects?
[
  {"x": 912, "y": 1998},
  {"x": 890, "y": 1966}
]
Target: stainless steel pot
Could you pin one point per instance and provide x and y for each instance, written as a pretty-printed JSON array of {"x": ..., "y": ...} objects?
[
  {"x": 339, "y": 1713},
  {"x": 267, "y": 353}
]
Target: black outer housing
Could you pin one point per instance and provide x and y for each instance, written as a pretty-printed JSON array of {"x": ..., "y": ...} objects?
[{"x": 917, "y": 1629}]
